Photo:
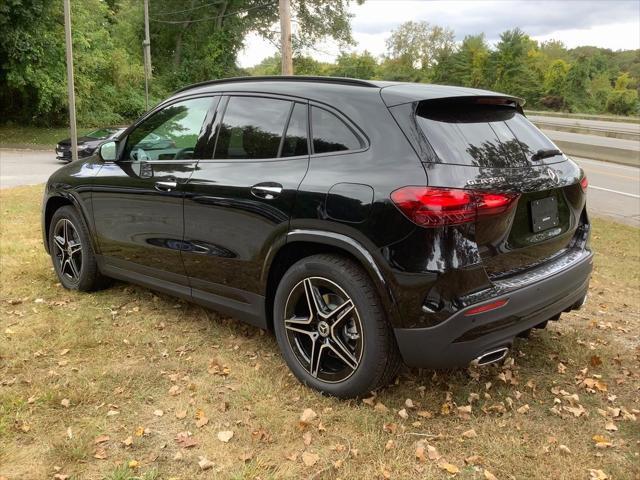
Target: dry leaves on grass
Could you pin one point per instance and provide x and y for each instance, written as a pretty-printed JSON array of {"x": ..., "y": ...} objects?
[
  {"x": 310, "y": 459},
  {"x": 225, "y": 436}
]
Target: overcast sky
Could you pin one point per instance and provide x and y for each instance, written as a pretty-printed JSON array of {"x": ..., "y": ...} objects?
[{"x": 611, "y": 24}]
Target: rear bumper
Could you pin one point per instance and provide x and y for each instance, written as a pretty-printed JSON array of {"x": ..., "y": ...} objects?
[{"x": 463, "y": 337}]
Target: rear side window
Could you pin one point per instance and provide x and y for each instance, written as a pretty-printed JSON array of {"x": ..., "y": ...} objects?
[
  {"x": 295, "y": 140},
  {"x": 330, "y": 133},
  {"x": 480, "y": 135},
  {"x": 252, "y": 128}
]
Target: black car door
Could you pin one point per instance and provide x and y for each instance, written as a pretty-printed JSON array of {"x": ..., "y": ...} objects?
[
  {"x": 238, "y": 204},
  {"x": 138, "y": 200}
]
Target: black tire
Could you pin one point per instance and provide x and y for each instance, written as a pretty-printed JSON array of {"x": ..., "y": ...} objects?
[
  {"x": 363, "y": 330},
  {"x": 81, "y": 271}
]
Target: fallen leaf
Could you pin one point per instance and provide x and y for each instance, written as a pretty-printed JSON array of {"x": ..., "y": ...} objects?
[
  {"x": 420, "y": 453},
  {"x": 204, "y": 463},
  {"x": 180, "y": 414},
  {"x": 523, "y": 409},
  {"x": 390, "y": 445},
  {"x": 432, "y": 452},
  {"x": 610, "y": 426},
  {"x": 470, "y": 434},
  {"x": 100, "y": 453},
  {"x": 175, "y": 390},
  {"x": 225, "y": 435},
  {"x": 201, "y": 422},
  {"x": 139, "y": 431},
  {"x": 185, "y": 440},
  {"x": 381, "y": 407},
  {"x": 449, "y": 467},
  {"x": 307, "y": 416},
  {"x": 65, "y": 402},
  {"x": 597, "y": 475},
  {"x": 473, "y": 460},
  {"x": 562, "y": 367},
  {"x": 564, "y": 449},
  {"x": 128, "y": 441},
  {"x": 409, "y": 403},
  {"x": 101, "y": 439},
  {"x": 245, "y": 457},
  {"x": 489, "y": 476},
  {"x": 403, "y": 413},
  {"x": 595, "y": 361},
  {"x": 158, "y": 413},
  {"x": 133, "y": 464},
  {"x": 306, "y": 438},
  {"x": 310, "y": 459}
]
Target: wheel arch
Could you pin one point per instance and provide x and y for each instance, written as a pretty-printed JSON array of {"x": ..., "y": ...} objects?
[
  {"x": 304, "y": 243},
  {"x": 52, "y": 205}
]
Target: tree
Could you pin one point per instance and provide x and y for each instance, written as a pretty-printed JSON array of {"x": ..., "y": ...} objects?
[
  {"x": 511, "y": 66},
  {"x": 622, "y": 100},
  {"x": 356, "y": 65},
  {"x": 467, "y": 66},
  {"x": 419, "y": 45}
]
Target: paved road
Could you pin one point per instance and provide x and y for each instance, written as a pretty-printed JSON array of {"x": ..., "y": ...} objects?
[
  {"x": 596, "y": 125},
  {"x": 614, "y": 190},
  {"x": 26, "y": 167}
]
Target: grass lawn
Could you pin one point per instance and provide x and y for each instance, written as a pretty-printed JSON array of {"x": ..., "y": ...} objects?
[
  {"x": 36, "y": 137},
  {"x": 128, "y": 384}
]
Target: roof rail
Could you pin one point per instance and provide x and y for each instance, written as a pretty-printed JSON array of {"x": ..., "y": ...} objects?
[{"x": 285, "y": 78}]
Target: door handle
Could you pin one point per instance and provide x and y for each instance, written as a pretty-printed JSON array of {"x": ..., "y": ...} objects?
[
  {"x": 268, "y": 191},
  {"x": 166, "y": 186}
]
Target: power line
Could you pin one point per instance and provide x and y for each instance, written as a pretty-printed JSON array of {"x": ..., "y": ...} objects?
[
  {"x": 191, "y": 9},
  {"x": 244, "y": 10}
]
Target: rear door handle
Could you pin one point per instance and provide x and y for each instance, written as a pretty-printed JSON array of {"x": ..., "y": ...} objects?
[
  {"x": 166, "y": 186},
  {"x": 267, "y": 190}
]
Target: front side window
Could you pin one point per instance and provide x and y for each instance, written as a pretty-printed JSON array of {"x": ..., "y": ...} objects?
[
  {"x": 170, "y": 134},
  {"x": 330, "y": 133},
  {"x": 252, "y": 128}
]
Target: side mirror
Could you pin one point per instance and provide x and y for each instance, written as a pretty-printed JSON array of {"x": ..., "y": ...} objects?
[{"x": 108, "y": 151}]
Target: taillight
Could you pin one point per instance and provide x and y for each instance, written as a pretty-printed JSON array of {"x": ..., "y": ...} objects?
[
  {"x": 584, "y": 183},
  {"x": 436, "y": 206}
]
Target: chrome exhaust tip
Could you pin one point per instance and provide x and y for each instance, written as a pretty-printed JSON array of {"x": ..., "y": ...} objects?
[{"x": 492, "y": 356}]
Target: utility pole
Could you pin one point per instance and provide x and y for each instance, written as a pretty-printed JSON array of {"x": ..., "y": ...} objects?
[
  {"x": 70, "y": 85},
  {"x": 146, "y": 50},
  {"x": 285, "y": 37}
]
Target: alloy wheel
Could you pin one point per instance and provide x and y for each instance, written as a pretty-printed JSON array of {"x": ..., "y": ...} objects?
[
  {"x": 323, "y": 329},
  {"x": 68, "y": 249}
]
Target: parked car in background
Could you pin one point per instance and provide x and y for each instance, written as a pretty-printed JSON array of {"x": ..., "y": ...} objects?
[
  {"x": 87, "y": 144},
  {"x": 365, "y": 223}
]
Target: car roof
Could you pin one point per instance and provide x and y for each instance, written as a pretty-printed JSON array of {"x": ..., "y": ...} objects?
[{"x": 392, "y": 93}]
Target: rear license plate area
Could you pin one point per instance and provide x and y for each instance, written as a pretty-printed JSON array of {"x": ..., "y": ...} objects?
[{"x": 544, "y": 214}]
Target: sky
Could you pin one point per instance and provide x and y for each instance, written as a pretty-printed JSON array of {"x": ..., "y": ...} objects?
[{"x": 613, "y": 24}]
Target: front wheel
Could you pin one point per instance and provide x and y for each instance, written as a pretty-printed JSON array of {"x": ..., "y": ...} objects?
[
  {"x": 71, "y": 252},
  {"x": 331, "y": 327}
]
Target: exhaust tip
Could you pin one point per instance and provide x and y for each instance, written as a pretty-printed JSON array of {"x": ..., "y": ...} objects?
[{"x": 492, "y": 356}]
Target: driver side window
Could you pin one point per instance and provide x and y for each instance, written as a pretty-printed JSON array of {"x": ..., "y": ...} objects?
[{"x": 169, "y": 134}]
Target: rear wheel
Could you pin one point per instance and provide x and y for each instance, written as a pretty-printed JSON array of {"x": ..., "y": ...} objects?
[
  {"x": 71, "y": 252},
  {"x": 332, "y": 329}
]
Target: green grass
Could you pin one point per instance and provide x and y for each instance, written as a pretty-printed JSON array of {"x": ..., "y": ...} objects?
[{"x": 35, "y": 136}]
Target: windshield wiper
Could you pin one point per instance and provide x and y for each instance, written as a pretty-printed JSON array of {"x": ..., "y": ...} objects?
[{"x": 542, "y": 153}]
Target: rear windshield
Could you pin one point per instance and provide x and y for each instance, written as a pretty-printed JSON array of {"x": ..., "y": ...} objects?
[{"x": 481, "y": 135}]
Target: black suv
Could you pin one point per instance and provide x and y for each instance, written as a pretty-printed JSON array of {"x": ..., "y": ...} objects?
[{"x": 365, "y": 223}]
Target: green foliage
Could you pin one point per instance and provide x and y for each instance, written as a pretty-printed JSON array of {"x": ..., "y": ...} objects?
[
  {"x": 197, "y": 40},
  {"x": 191, "y": 41},
  {"x": 355, "y": 65},
  {"x": 622, "y": 100}
]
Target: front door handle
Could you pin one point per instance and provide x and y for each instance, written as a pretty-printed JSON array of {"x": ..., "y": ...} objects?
[
  {"x": 166, "y": 186},
  {"x": 267, "y": 190}
]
